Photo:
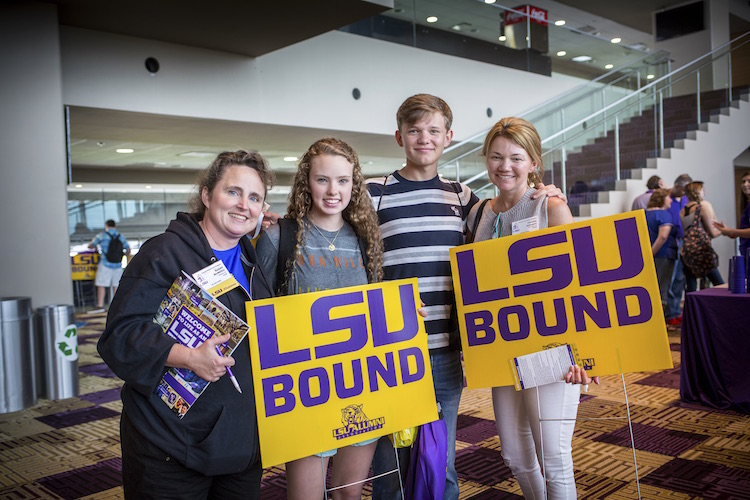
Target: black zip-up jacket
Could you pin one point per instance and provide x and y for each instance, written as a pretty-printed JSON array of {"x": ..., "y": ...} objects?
[{"x": 219, "y": 435}]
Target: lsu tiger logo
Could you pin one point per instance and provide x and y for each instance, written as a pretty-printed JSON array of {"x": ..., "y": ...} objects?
[
  {"x": 356, "y": 422},
  {"x": 352, "y": 415}
]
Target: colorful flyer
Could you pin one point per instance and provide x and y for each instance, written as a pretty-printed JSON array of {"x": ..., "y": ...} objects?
[
  {"x": 337, "y": 367},
  {"x": 592, "y": 284}
]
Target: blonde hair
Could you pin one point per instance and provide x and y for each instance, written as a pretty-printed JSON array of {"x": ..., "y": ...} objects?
[
  {"x": 360, "y": 214},
  {"x": 523, "y": 134}
]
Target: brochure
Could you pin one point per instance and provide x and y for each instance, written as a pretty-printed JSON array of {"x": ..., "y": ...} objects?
[
  {"x": 544, "y": 367},
  {"x": 191, "y": 315}
]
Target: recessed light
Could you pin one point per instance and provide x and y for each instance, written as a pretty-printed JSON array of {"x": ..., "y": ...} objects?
[
  {"x": 560, "y": 22},
  {"x": 502, "y": 38},
  {"x": 79, "y": 185},
  {"x": 198, "y": 154},
  {"x": 456, "y": 27},
  {"x": 290, "y": 158},
  {"x": 649, "y": 77},
  {"x": 609, "y": 66},
  {"x": 489, "y": 1},
  {"x": 561, "y": 53},
  {"x": 124, "y": 150},
  {"x": 432, "y": 19},
  {"x": 582, "y": 58},
  {"x": 147, "y": 187},
  {"x": 616, "y": 40}
]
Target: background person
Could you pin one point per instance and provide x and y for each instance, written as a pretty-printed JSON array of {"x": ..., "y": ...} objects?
[
  {"x": 108, "y": 273},
  {"x": 513, "y": 155},
  {"x": 677, "y": 286},
  {"x": 641, "y": 201},
  {"x": 695, "y": 193},
  {"x": 334, "y": 221},
  {"x": 663, "y": 236},
  {"x": 743, "y": 231},
  {"x": 213, "y": 451}
]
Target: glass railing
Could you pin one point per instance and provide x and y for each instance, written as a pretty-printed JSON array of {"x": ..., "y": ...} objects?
[{"x": 587, "y": 151}]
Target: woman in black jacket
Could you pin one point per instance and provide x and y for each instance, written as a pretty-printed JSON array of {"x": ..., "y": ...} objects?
[{"x": 213, "y": 451}]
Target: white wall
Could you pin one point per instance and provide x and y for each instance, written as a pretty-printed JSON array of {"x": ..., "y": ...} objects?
[
  {"x": 34, "y": 244},
  {"x": 308, "y": 84}
]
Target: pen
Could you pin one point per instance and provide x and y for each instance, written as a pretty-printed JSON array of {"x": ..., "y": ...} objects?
[{"x": 229, "y": 372}]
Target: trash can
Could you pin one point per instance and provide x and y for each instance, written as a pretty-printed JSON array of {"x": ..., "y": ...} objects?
[
  {"x": 18, "y": 385},
  {"x": 57, "y": 352}
]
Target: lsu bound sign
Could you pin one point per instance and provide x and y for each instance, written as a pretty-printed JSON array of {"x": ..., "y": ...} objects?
[
  {"x": 336, "y": 367},
  {"x": 592, "y": 284}
]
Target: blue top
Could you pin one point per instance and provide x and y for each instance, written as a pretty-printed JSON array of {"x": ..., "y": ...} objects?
[
  {"x": 102, "y": 240},
  {"x": 233, "y": 262},
  {"x": 655, "y": 219},
  {"x": 674, "y": 209}
]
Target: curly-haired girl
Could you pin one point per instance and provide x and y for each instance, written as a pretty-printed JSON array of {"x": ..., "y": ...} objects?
[{"x": 338, "y": 244}]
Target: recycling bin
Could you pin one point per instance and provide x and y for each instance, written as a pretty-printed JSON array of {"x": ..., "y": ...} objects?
[
  {"x": 18, "y": 385},
  {"x": 57, "y": 352}
]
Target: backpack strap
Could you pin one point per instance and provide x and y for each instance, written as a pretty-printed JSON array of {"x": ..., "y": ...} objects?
[
  {"x": 287, "y": 245},
  {"x": 472, "y": 234}
]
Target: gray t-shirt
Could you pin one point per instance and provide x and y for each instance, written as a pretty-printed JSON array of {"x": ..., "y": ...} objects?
[{"x": 317, "y": 267}]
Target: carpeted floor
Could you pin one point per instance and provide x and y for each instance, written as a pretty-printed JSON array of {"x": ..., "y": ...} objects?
[{"x": 70, "y": 448}]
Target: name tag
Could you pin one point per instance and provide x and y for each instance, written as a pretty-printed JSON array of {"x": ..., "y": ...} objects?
[
  {"x": 526, "y": 225},
  {"x": 216, "y": 279}
]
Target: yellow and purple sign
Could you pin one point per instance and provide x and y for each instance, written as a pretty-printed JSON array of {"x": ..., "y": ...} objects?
[
  {"x": 83, "y": 266},
  {"x": 337, "y": 367},
  {"x": 592, "y": 284}
]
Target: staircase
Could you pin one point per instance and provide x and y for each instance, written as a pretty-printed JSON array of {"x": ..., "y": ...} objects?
[{"x": 591, "y": 170}]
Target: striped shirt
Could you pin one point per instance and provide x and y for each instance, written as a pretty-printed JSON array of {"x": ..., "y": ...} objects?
[{"x": 420, "y": 222}]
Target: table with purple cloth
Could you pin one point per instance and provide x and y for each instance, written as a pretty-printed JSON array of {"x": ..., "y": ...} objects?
[{"x": 715, "y": 368}]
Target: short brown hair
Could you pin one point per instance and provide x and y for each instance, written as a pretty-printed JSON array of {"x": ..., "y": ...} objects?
[
  {"x": 209, "y": 177},
  {"x": 418, "y": 106}
]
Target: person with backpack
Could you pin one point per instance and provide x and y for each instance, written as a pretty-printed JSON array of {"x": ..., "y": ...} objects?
[
  {"x": 113, "y": 246},
  {"x": 328, "y": 239},
  {"x": 699, "y": 258}
]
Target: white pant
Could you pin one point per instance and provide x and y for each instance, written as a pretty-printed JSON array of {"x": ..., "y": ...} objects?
[{"x": 524, "y": 445}]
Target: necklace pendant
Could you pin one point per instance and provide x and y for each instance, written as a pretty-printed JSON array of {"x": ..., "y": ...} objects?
[{"x": 331, "y": 247}]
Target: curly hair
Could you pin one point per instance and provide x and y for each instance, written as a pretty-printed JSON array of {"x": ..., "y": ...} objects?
[
  {"x": 525, "y": 135},
  {"x": 657, "y": 198},
  {"x": 693, "y": 191},
  {"x": 211, "y": 176},
  {"x": 360, "y": 214}
]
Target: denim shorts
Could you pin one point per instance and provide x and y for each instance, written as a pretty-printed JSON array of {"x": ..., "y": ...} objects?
[{"x": 332, "y": 452}]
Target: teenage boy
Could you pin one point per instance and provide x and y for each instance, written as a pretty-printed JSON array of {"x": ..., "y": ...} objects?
[{"x": 421, "y": 217}]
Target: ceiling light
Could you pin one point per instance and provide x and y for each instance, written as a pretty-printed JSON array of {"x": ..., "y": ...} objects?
[
  {"x": 147, "y": 187},
  {"x": 582, "y": 58},
  {"x": 609, "y": 66},
  {"x": 616, "y": 40},
  {"x": 560, "y": 22},
  {"x": 198, "y": 154},
  {"x": 489, "y": 1},
  {"x": 432, "y": 19},
  {"x": 124, "y": 150},
  {"x": 290, "y": 158},
  {"x": 502, "y": 38},
  {"x": 561, "y": 53},
  {"x": 79, "y": 185},
  {"x": 649, "y": 77}
]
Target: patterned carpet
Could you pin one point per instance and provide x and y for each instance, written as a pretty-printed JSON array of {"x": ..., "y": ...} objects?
[{"x": 70, "y": 448}]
